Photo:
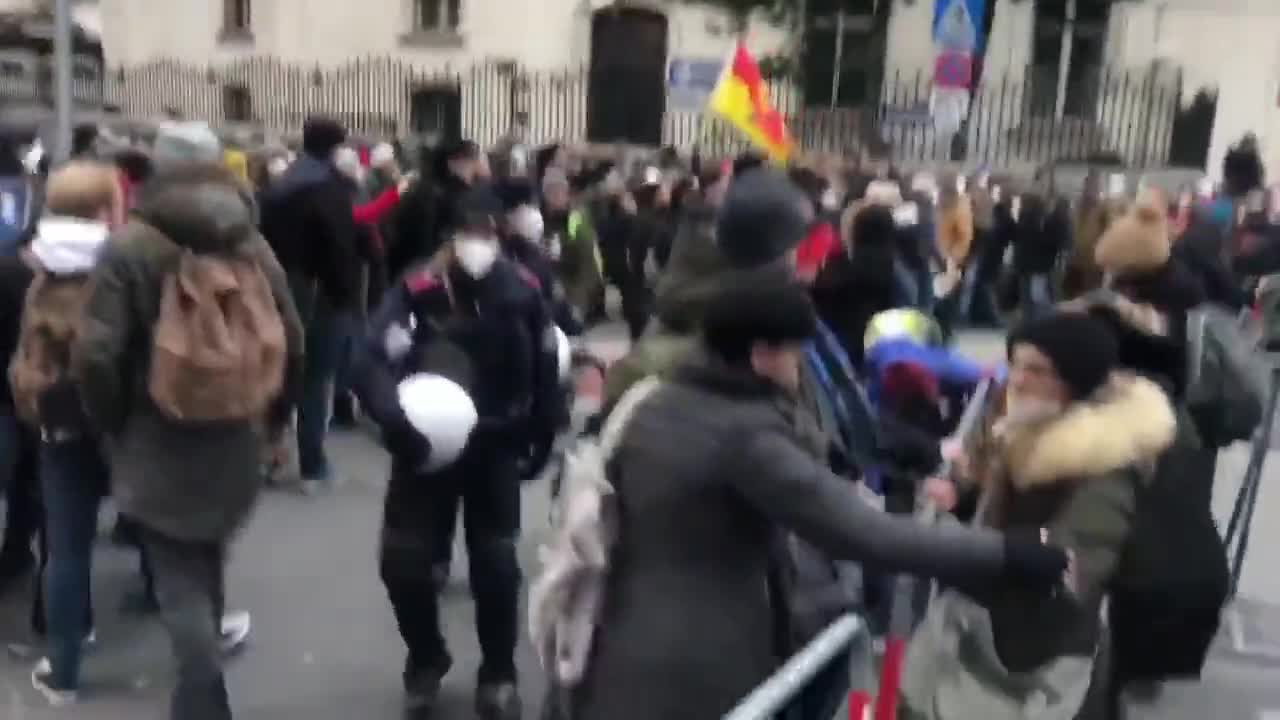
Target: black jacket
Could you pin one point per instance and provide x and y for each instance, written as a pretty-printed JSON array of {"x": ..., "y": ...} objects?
[
  {"x": 423, "y": 220},
  {"x": 499, "y": 322},
  {"x": 307, "y": 218},
  {"x": 15, "y": 278}
]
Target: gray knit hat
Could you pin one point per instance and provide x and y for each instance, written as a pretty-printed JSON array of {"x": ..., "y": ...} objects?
[{"x": 185, "y": 142}]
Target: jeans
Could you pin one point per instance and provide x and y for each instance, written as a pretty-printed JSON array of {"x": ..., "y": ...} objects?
[
  {"x": 1037, "y": 294},
  {"x": 907, "y": 289},
  {"x": 977, "y": 303},
  {"x": 189, "y": 587},
  {"x": 417, "y": 507},
  {"x": 324, "y": 335},
  {"x": 73, "y": 475}
]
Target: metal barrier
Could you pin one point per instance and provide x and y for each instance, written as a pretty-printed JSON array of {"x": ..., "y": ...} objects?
[{"x": 849, "y": 634}]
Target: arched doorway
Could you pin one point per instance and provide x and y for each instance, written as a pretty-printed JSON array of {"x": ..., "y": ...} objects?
[{"x": 626, "y": 87}]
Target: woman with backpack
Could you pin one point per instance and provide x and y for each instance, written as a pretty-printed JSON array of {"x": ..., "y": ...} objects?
[{"x": 82, "y": 201}]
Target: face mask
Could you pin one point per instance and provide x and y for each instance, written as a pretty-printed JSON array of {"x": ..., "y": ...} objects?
[
  {"x": 475, "y": 255},
  {"x": 277, "y": 166},
  {"x": 348, "y": 162},
  {"x": 527, "y": 222},
  {"x": 830, "y": 200}
]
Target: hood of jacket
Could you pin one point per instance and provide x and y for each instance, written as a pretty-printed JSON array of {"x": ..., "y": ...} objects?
[
  {"x": 697, "y": 270},
  {"x": 201, "y": 207},
  {"x": 68, "y": 245},
  {"x": 1129, "y": 421}
]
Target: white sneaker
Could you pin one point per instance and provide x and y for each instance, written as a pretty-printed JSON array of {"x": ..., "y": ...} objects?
[
  {"x": 235, "y": 630},
  {"x": 41, "y": 680}
]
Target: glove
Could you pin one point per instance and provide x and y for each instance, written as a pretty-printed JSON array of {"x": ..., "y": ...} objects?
[
  {"x": 1029, "y": 561},
  {"x": 406, "y": 444}
]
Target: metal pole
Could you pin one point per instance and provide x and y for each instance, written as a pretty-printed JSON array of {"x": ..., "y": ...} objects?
[
  {"x": 62, "y": 100},
  {"x": 1064, "y": 60},
  {"x": 838, "y": 60},
  {"x": 773, "y": 695}
]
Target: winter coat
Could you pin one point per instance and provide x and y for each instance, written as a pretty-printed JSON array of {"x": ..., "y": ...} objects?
[
  {"x": 579, "y": 266},
  {"x": 854, "y": 285},
  {"x": 1078, "y": 476},
  {"x": 424, "y": 218},
  {"x": 1201, "y": 250},
  {"x": 307, "y": 217},
  {"x": 955, "y": 231},
  {"x": 689, "y": 625},
  {"x": 193, "y": 482},
  {"x": 15, "y": 278}
]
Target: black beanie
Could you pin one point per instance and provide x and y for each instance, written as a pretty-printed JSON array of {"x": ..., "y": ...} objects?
[
  {"x": 739, "y": 316},
  {"x": 763, "y": 216},
  {"x": 320, "y": 135},
  {"x": 1083, "y": 349}
]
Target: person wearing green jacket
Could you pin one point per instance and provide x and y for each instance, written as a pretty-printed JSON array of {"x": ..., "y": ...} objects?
[{"x": 571, "y": 240}]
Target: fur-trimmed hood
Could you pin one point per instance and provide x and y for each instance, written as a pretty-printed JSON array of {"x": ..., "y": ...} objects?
[
  {"x": 1128, "y": 421},
  {"x": 1136, "y": 242}
]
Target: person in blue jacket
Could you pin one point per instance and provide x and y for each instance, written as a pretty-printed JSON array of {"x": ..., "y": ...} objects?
[{"x": 480, "y": 314}]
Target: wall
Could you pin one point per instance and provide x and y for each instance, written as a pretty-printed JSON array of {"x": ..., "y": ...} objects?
[{"x": 1227, "y": 44}]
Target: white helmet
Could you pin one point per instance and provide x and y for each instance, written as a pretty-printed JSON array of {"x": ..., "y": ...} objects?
[
  {"x": 564, "y": 354},
  {"x": 442, "y": 412}
]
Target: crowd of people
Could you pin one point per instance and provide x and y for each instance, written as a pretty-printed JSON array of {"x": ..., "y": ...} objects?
[{"x": 176, "y": 319}]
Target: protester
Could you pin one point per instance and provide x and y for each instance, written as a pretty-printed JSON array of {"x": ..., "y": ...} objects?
[
  {"x": 858, "y": 282},
  {"x": 484, "y": 316},
  {"x": 82, "y": 201},
  {"x": 307, "y": 216},
  {"x": 571, "y": 241},
  {"x": 189, "y": 486},
  {"x": 690, "y": 623},
  {"x": 1067, "y": 449}
]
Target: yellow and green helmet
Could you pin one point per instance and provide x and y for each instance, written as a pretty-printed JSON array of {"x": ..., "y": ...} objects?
[{"x": 902, "y": 323}]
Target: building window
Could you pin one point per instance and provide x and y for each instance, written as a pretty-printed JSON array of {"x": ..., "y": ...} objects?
[
  {"x": 437, "y": 15},
  {"x": 237, "y": 104},
  {"x": 237, "y": 15}
]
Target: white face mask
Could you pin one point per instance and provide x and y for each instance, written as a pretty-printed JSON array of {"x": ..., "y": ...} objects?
[
  {"x": 830, "y": 199},
  {"x": 526, "y": 221},
  {"x": 277, "y": 166},
  {"x": 475, "y": 254}
]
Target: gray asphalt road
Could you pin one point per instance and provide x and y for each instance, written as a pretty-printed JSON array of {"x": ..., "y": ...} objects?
[{"x": 324, "y": 645}]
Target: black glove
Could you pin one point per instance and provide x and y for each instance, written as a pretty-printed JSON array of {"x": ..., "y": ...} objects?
[
  {"x": 1028, "y": 561},
  {"x": 406, "y": 444}
]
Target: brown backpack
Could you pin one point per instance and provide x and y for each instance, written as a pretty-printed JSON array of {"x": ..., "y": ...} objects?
[
  {"x": 218, "y": 350},
  {"x": 51, "y": 315}
]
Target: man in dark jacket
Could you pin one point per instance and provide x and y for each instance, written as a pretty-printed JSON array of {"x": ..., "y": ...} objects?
[
  {"x": 187, "y": 487},
  {"x": 307, "y": 217},
  {"x": 430, "y": 210},
  {"x": 479, "y": 320}
]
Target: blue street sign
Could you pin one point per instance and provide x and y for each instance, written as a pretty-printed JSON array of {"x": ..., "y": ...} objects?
[
  {"x": 691, "y": 80},
  {"x": 957, "y": 25}
]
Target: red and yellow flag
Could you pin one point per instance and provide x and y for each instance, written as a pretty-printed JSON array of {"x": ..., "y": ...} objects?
[{"x": 741, "y": 97}]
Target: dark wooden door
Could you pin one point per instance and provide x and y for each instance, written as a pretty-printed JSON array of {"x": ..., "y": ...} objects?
[{"x": 626, "y": 87}]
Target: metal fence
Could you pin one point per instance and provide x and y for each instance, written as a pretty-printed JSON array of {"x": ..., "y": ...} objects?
[{"x": 1013, "y": 119}]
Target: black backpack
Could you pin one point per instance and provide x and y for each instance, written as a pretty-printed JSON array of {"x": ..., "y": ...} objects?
[{"x": 1172, "y": 581}]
